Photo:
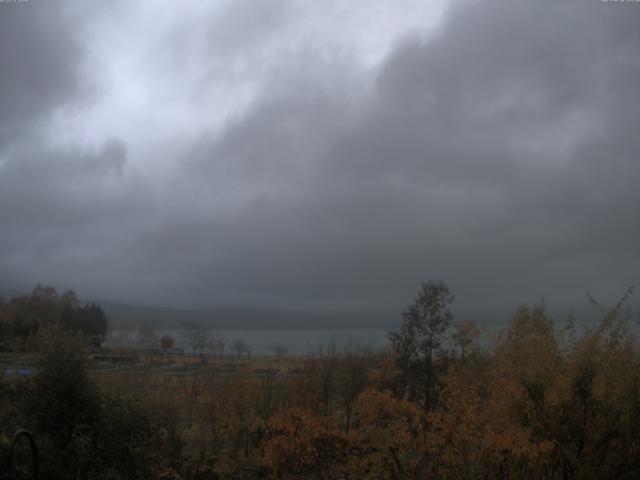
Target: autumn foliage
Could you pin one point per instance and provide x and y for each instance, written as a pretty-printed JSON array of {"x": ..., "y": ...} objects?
[
  {"x": 534, "y": 402},
  {"x": 535, "y": 399}
]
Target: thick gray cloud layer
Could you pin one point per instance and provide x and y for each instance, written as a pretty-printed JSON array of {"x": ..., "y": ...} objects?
[
  {"x": 498, "y": 152},
  {"x": 40, "y": 60}
]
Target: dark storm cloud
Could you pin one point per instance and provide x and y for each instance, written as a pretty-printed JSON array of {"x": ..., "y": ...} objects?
[
  {"x": 491, "y": 155},
  {"x": 500, "y": 153},
  {"x": 40, "y": 60},
  {"x": 59, "y": 205}
]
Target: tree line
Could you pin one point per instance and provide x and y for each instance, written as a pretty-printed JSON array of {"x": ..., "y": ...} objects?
[
  {"x": 447, "y": 400},
  {"x": 22, "y": 317}
]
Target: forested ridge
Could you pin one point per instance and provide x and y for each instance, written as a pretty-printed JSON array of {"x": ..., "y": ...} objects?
[{"x": 448, "y": 400}]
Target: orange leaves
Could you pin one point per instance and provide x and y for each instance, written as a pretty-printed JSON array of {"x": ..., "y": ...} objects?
[
  {"x": 389, "y": 442},
  {"x": 300, "y": 442},
  {"x": 166, "y": 342},
  {"x": 386, "y": 375},
  {"x": 381, "y": 410},
  {"x": 477, "y": 427}
]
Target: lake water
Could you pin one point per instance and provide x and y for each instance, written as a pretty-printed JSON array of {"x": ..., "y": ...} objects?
[{"x": 262, "y": 342}]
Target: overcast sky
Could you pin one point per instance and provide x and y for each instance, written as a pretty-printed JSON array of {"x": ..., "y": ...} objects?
[{"x": 326, "y": 156}]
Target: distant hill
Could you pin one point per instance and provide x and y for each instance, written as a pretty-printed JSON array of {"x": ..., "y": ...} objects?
[
  {"x": 123, "y": 316},
  {"x": 130, "y": 317}
]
